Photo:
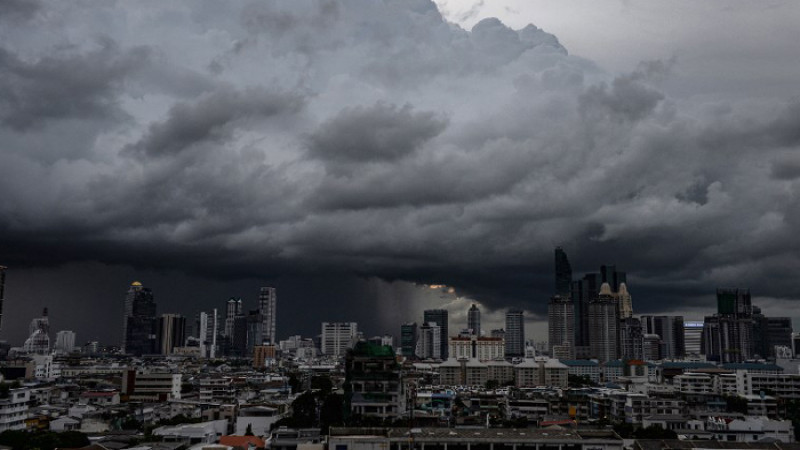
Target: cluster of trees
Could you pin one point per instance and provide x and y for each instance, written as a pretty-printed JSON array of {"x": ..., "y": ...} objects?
[{"x": 43, "y": 440}]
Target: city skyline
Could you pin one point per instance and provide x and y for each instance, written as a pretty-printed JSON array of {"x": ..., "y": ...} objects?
[{"x": 368, "y": 151}]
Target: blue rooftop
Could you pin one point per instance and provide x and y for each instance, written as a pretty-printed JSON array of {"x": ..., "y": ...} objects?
[{"x": 687, "y": 365}]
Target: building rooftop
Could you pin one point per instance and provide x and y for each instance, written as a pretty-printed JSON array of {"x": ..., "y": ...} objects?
[
  {"x": 476, "y": 434},
  {"x": 579, "y": 362},
  {"x": 752, "y": 366}
]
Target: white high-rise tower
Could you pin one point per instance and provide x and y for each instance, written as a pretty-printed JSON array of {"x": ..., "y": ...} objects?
[{"x": 267, "y": 303}]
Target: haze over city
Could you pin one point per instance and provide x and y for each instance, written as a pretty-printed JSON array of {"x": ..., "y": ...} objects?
[{"x": 353, "y": 154}]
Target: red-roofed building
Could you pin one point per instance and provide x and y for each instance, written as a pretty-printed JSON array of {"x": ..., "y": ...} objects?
[{"x": 242, "y": 442}]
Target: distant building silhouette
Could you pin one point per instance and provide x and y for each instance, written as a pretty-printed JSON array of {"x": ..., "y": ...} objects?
[
  {"x": 2, "y": 292},
  {"x": 671, "y": 333},
  {"x": 728, "y": 334},
  {"x": 139, "y": 322},
  {"x": 171, "y": 333},
  {"x": 603, "y": 325},
  {"x": 65, "y": 342},
  {"x": 267, "y": 307},
  {"x": 563, "y": 273},
  {"x": 208, "y": 333},
  {"x": 408, "y": 339},
  {"x": 38, "y": 341},
  {"x": 337, "y": 337},
  {"x": 561, "y": 327},
  {"x": 440, "y": 318},
  {"x": 474, "y": 320},
  {"x": 515, "y": 334}
]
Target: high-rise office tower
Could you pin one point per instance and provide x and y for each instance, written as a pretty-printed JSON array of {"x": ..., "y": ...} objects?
[
  {"x": 429, "y": 343},
  {"x": 563, "y": 274},
  {"x": 171, "y": 332},
  {"x": 38, "y": 341},
  {"x": 408, "y": 339},
  {"x": 65, "y": 342},
  {"x": 337, "y": 337},
  {"x": 771, "y": 332},
  {"x": 515, "y": 334},
  {"x": 631, "y": 339},
  {"x": 474, "y": 320},
  {"x": 439, "y": 317},
  {"x": 233, "y": 308},
  {"x": 208, "y": 332},
  {"x": 692, "y": 337},
  {"x": 610, "y": 275},
  {"x": 624, "y": 302},
  {"x": 728, "y": 335},
  {"x": 672, "y": 335},
  {"x": 255, "y": 331},
  {"x": 267, "y": 304},
  {"x": 582, "y": 293},
  {"x": 603, "y": 325},
  {"x": 561, "y": 326},
  {"x": 139, "y": 322},
  {"x": 2, "y": 292}
]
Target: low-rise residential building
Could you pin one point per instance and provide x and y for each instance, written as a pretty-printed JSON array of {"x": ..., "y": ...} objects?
[
  {"x": 471, "y": 439},
  {"x": 750, "y": 429},
  {"x": 14, "y": 409}
]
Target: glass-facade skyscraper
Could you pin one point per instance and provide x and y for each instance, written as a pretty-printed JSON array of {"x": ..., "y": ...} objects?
[
  {"x": 474, "y": 320},
  {"x": 139, "y": 322},
  {"x": 515, "y": 334},
  {"x": 563, "y": 273}
]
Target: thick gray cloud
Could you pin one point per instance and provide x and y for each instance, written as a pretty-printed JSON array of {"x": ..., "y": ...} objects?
[
  {"x": 380, "y": 132},
  {"x": 301, "y": 142}
]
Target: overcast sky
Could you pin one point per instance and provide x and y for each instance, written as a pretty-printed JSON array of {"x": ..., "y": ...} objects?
[{"x": 352, "y": 152}]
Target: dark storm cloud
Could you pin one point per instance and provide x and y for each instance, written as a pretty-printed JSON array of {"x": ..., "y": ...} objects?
[
  {"x": 627, "y": 98},
  {"x": 18, "y": 9},
  {"x": 63, "y": 85},
  {"x": 213, "y": 118},
  {"x": 787, "y": 168},
  {"x": 374, "y": 139},
  {"x": 380, "y": 132}
]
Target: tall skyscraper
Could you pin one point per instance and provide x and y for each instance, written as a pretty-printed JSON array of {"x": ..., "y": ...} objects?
[
  {"x": 408, "y": 339},
  {"x": 439, "y": 317},
  {"x": 631, "y": 339},
  {"x": 171, "y": 333},
  {"x": 337, "y": 337},
  {"x": 563, "y": 274},
  {"x": 38, "y": 341},
  {"x": 770, "y": 332},
  {"x": 474, "y": 320},
  {"x": 267, "y": 304},
  {"x": 624, "y": 302},
  {"x": 610, "y": 275},
  {"x": 692, "y": 336},
  {"x": 603, "y": 325},
  {"x": 728, "y": 335},
  {"x": 515, "y": 334},
  {"x": 2, "y": 292},
  {"x": 561, "y": 326},
  {"x": 429, "y": 343},
  {"x": 139, "y": 322},
  {"x": 233, "y": 308},
  {"x": 582, "y": 293},
  {"x": 208, "y": 328},
  {"x": 65, "y": 342},
  {"x": 672, "y": 335}
]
